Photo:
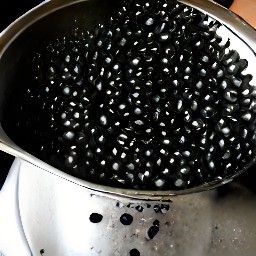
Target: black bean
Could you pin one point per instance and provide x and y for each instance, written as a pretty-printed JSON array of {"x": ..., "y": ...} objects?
[
  {"x": 149, "y": 99},
  {"x": 126, "y": 219}
]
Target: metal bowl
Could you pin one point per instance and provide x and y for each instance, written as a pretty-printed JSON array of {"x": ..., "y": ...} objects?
[{"x": 64, "y": 215}]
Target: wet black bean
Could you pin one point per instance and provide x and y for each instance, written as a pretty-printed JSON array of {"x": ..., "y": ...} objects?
[
  {"x": 157, "y": 103},
  {"x": 134, "y": 252},
  {"x": 152, "y": 232},
  {"x": 96, "y": 217},
  {"x": 126, "y": 219}
]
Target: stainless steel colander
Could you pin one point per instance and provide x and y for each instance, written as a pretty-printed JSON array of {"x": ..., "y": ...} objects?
[{"x": 64, "y": 215}]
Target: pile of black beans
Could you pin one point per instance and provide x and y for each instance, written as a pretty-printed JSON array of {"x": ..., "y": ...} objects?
[{"x": 150, "y": 99}]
